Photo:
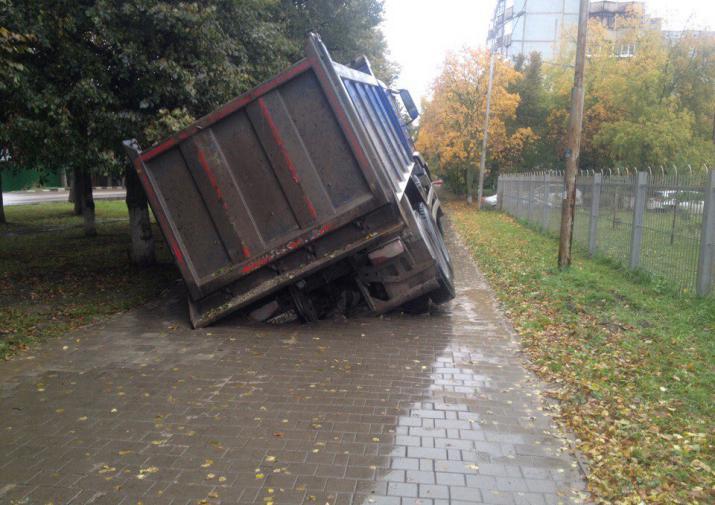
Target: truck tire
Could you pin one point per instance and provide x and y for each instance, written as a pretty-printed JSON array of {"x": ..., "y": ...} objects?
[
  {"x": 439, "y": 250},
  {"x": 303, "y": 305},
  {"x": 419, "y": 305}
]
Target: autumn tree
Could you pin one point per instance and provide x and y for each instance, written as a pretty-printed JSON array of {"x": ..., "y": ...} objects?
[
  {"x": 532, "y": 111},
  {"x": 451, "y": 127},
  {"x": 652, "y": 105}
]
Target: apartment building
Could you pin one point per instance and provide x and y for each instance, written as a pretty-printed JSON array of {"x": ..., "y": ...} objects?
[{"x": 524, "y": 26}]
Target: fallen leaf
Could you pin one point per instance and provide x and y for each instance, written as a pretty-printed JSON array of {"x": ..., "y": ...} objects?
[{"x": 143, "y": 472}]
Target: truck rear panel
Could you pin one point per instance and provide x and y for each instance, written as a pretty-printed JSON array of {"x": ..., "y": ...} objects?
[
  {"x": 294, "y": 175},
  {"x": 272, "y": 170}
]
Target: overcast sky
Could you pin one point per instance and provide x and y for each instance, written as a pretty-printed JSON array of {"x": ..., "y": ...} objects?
[{"x": 420, "y": 32}]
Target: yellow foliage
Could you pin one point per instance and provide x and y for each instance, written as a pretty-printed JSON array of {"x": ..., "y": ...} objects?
[
  {"x": 650, "y": 86},
  {"x": 451, "y": 128}
]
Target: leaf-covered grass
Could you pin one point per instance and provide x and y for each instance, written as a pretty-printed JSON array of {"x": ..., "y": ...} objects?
[
  {"x": 632, "y": 361},
  {"x": 53, "y": 279}
]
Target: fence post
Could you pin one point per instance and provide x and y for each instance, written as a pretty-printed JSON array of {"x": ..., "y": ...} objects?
[
  {"x": 517, "y": 184},
  {"x": 545, "y": 203},
  {"x": 638, "y": 211},
  {"x": 500, "y": 192},
  {"x": 706, "y": 261},
  {"x": 531, "y": 197},
  {"x": 595, "y": 206}
]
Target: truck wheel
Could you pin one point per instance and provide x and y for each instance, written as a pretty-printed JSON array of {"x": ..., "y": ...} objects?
[
  {"x": 303, "y": 305},
  {"x": 444, "y": 293},
  {"x": 440, "y": 226},
  {"x": 444, "y": 264},
  {"x": 419, "y": 305}
]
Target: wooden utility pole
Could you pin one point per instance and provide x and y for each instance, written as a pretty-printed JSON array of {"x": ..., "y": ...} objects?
[
  {"x": 574, "y": 141},
  {"x": 483, "y": 160}
]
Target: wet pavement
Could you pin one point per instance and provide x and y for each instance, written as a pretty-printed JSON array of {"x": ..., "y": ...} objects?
[{"x": 396, "y": 410}]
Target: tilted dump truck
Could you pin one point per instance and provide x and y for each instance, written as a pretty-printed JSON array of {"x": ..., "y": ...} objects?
[{"x": 297, "y": 192}]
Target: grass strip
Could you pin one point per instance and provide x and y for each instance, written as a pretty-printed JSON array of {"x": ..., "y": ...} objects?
[
  {"x": 631, "y": 360},
  {"x": 54, "y": 281}
]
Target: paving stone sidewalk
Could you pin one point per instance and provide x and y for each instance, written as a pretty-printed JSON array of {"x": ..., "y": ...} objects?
[{"x": 397, "y": 410}]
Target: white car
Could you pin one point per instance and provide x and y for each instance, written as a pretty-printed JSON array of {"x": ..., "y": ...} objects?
[
  {"x": 556, "y": 199},
  {"x": 671, "y": 199},
  {"x": 490, "y": 202},
  {"x": 662, "y": 201},
  {"x": 692, "y": 207}
]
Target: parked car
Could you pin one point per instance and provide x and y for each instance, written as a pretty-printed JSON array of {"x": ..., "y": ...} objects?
[
  {"x": 692, "y": 206},
  {"x": 556, "y": 199},
  {"x": 687, "y": 201},
  {"x": 304, "y": 194},
  {"x": 490, "y": 202},
  {"x": 662, "y": 201}
]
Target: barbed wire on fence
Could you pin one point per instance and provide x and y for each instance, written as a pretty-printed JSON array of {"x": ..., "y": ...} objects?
[{"x": 661, "y": 221}]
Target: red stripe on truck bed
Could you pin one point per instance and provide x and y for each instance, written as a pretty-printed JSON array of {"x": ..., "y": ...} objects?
[{"x": 278, "y": 140}]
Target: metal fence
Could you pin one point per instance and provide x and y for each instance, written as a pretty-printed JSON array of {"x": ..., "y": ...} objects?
[{"x": 661, "y": 223}]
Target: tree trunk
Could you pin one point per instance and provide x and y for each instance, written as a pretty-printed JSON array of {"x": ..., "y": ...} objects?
[
  {"x": 83, "y": 198},
  {"x": 76, "y": 182},
  {"x": 2, "y": 208},
  {"x": 90, "y": 228},
  {"x": 142, "y": 246},
  {"x": 63, "y": 179}
]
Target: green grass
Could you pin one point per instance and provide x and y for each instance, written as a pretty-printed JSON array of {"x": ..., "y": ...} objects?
[
  {"x": 53, "y": 279},
  {"x": 675, "y": 262},
  {"x": 58, "y": 214},
  {"x": 632, "y": 362}
]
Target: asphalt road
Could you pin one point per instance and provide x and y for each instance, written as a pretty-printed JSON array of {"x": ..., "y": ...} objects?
[{"x": 60, "y": 195}]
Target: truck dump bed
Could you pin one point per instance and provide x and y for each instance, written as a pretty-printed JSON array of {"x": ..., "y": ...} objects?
[{"x": 274, "y": 170}]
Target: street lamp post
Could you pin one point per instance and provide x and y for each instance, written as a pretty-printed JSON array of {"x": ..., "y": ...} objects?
[{"x": 485, "y": 137}]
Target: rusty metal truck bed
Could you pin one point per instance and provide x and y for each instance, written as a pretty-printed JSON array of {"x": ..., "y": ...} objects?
[{"x": 297, "y": 174}]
